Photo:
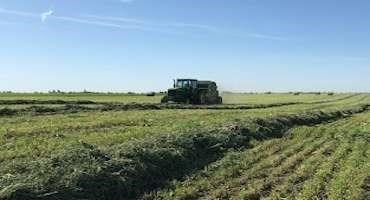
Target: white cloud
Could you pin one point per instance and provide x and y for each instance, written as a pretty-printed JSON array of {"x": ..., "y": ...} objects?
[
  {"x": 142, "y": 25},
  {"x": 196, "y": 26},
  {"x": 49, "y": 14},
  {"x": 102, "y": 24},
  {"x": 127, "y": 1},
  {"x": 159, "y": 25},
  {"x": 263, "y": 36},
  {"x": 18, "y": 13},
  {"x": 184, "y": 27},
  {"x": 118, "y": 19},
  {"x": 45, "y": 15},
  {"x": 2, "y": 22}
]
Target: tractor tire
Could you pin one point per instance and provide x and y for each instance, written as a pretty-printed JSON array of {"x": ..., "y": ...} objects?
[
  {"x": 219, "y": 100},
  {"x": 203, "y": 99},
  {"x": 164, "y": 99}
]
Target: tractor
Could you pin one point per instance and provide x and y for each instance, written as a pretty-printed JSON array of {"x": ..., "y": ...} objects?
[{"x": 192, "y": 91}]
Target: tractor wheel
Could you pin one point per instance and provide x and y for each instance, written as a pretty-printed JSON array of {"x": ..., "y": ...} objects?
[
  {"x": 164, "y": 99},
  {"x": 219, "y": 100},
  {"x": 203, "y": 99}
]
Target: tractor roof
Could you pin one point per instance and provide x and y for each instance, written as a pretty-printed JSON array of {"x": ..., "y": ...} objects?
[
  {"x": 199, "y": 82},
  {"x": 206, "y": 82},
  {"x": 186, "y": 79}
]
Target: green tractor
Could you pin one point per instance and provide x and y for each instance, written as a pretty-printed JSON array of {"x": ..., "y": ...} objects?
[{"x": 192, "y": 91}]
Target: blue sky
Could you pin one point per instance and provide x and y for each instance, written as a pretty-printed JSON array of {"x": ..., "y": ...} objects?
[{"x": 141, "y": 45}]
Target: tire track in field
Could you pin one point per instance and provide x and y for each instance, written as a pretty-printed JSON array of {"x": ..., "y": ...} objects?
[
  {"x": 342, "y": 178},
  {"x": 259, "y": 169},
  {"x": 314, "y": 188},
  {"x": 206, "y": 194},
  {"x": 334, "y": 100},
  {"x": 262, "y": 185},
  {"x": 366, "y": 188},
  {"x": 293, "y": 183},
  {"x": 288, "y": 169},
  {"x": 353, "y": 99},
  {"x": 256, "y": 155},
  {"x": 290, "y": 185},
  {"x": 222, "y": 190},
  {"x": 350, "y": 174}
]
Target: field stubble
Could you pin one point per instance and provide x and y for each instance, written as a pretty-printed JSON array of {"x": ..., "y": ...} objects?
[{"x": 121, "y": 154}]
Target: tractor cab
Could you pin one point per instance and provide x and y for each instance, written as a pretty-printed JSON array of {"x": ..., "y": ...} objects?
[
  {"x": 186, "y": 83},
  {"x": 183, "y": 91}
]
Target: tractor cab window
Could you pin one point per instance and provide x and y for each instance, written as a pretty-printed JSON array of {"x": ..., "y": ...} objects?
[
  {"x": 180, "y": 84},
  {"x": 183, "y": 84},
  {"x": 186, "y": 84},
  {"x": 193, "y": 84}
]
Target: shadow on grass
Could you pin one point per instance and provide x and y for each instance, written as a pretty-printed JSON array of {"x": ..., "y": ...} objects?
[{"x": 133, "y": 169}]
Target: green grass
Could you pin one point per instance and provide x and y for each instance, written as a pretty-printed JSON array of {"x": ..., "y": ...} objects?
[
  {"x": 228, "y": 98},
  {"x": 324, "y": 162},
  {"x": 97, "y": 97},
  {"x": 236, "y": 98},
  {"x": 60, "y": 149},
  {"x": 110, "y": 128}
]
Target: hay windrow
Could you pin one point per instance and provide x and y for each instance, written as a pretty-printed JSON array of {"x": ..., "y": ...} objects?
[
  {"x": 129, "y": 170},
  {"x": 40, "y": 102},
  {"x": 42, "y": 107}
]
